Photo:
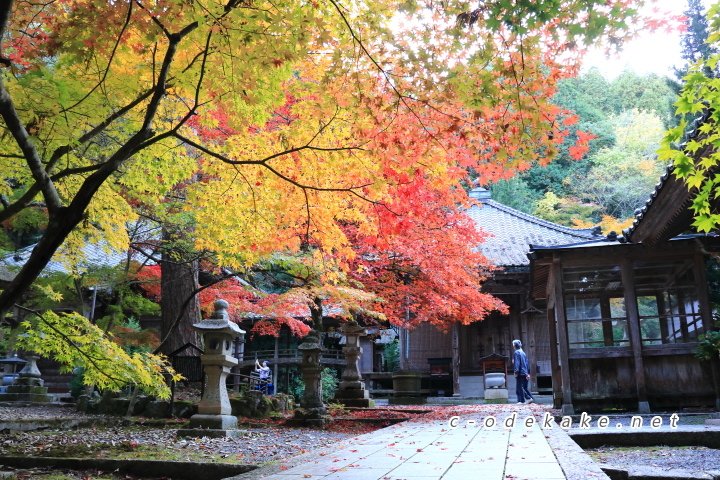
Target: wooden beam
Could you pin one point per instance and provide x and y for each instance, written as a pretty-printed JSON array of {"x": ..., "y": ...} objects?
[
  {"x": 670, "y": 349},
  {"x": 543, "y": 261},
  {"x": 633, "y": 320},
  {"x": 604, "y": 352}
]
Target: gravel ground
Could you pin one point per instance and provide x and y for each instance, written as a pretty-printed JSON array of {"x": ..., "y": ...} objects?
[
  {"x": 696, "y": 459},
  {"x": 50, "y": 411},
  {"x": 257, "y": 446}
]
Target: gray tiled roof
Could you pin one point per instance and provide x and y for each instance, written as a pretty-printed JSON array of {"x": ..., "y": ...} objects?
[
  {"x": 512, "y": 231},
  {"x": 6, "y": 275},
  {"x": 93, "y": 255}
]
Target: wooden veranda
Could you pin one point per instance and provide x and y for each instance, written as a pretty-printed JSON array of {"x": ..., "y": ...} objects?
[{"x": 625, "y": 320}]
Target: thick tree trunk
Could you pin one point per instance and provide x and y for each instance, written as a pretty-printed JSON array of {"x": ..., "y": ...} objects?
[
  {"x": 316, "y": 314},
  {"x": 179, "y": 280}
]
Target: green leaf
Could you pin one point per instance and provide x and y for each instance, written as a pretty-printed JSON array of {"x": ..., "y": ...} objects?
[{"x": 706, "y": 223}]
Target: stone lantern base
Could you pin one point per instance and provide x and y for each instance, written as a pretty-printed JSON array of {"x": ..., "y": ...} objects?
[
  {"x": 496, "y": 395},
  {"x": 26, "y": 389},
  {"x": 215, "y": 426},
  {"x": 314, "y": 417},
  {"x": 353, "y": 394}
]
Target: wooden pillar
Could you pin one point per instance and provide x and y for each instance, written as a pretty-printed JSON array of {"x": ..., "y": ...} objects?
[
  {"x": 605, "y": 312},
  {"x": 706, "y": 313},
  {"x": 703, "y": 296},
  {"x": 527, "y": 326},
  {"x": 516, "y": 330},
  {"x": 633, "y": 319},
  {"x": 663, "y": 315},
  {"x": 276, "y": 357},
  {"x": 554, "y": 361},
  {"x": 456, "y": 359},
  {"x": 563, "y": 349}
]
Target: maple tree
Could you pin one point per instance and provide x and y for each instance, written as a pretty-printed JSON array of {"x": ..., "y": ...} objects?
[
  {"x": 80, "y": 134},
  {"x": 423, "y": 262},
  {"x": 282, "y": 121},
  {"x": 695, "y": 159},
  {"x": 73, "y": 341}
]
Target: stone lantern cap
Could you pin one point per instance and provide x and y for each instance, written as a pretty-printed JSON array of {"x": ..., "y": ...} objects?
[
  {"x": 311, "y": 341},
  {"x": 219, "y": 321},
  {"x": 352, "y": 328},
  {"x": 352, "y": 332}
]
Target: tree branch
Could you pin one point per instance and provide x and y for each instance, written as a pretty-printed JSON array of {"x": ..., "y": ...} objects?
[
  {"x": 60, "y": 151},
  {"x": 18, "y": 205},
  {"x": 383, "y": 72},
  {"x": 72, "y": 344},
  {"x": 32, "y": 156},
  {"x": 110, "y": 60},
  {"x": 63, "y": 220}
]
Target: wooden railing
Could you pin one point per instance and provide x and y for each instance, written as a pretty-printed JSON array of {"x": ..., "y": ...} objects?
[
  {"x": 251, "y": 382},
  {"x": 289, "y": 355}
]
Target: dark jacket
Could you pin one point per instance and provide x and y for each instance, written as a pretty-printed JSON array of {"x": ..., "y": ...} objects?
[{"x": 521, "y": 362}]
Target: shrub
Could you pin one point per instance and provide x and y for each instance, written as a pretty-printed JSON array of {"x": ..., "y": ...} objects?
[{"x": 329, "y": 381}]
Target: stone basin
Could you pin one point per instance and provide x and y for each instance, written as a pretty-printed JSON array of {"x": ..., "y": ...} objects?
[{"x": 494, "y": 380}]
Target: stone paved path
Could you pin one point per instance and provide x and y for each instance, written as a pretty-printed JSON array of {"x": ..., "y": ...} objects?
[{"x": 433, "y": 451}]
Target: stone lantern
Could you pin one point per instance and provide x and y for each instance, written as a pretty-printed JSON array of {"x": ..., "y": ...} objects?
[
  {"x": 312, "y": 411},
  {"x": 214, "y": 417},
  {"x": 28, "y": 386},
  {"x": 351, "y": 392}
]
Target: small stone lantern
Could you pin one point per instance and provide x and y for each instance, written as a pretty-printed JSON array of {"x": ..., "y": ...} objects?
[
  {"x": 28, "y": 386},
  {"x": 214, "y": 417},
  {"x": 351, "y": 392}
]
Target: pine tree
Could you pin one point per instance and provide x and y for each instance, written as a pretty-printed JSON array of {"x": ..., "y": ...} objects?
[{"x": 694, "y": 40}]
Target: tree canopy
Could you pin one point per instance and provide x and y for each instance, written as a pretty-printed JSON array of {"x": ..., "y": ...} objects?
[
  {"x": 258, "y": 127},
  {"x": 291, "y": 117}
]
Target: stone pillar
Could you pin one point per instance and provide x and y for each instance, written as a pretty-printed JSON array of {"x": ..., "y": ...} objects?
[
  {"x": 312, "y": 412},
  {"x": 351, "y": 392},
  {"x": 214, "y": 417}
]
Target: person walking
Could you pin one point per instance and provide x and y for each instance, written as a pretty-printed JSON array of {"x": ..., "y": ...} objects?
[{"x": 522, "y": 374}]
